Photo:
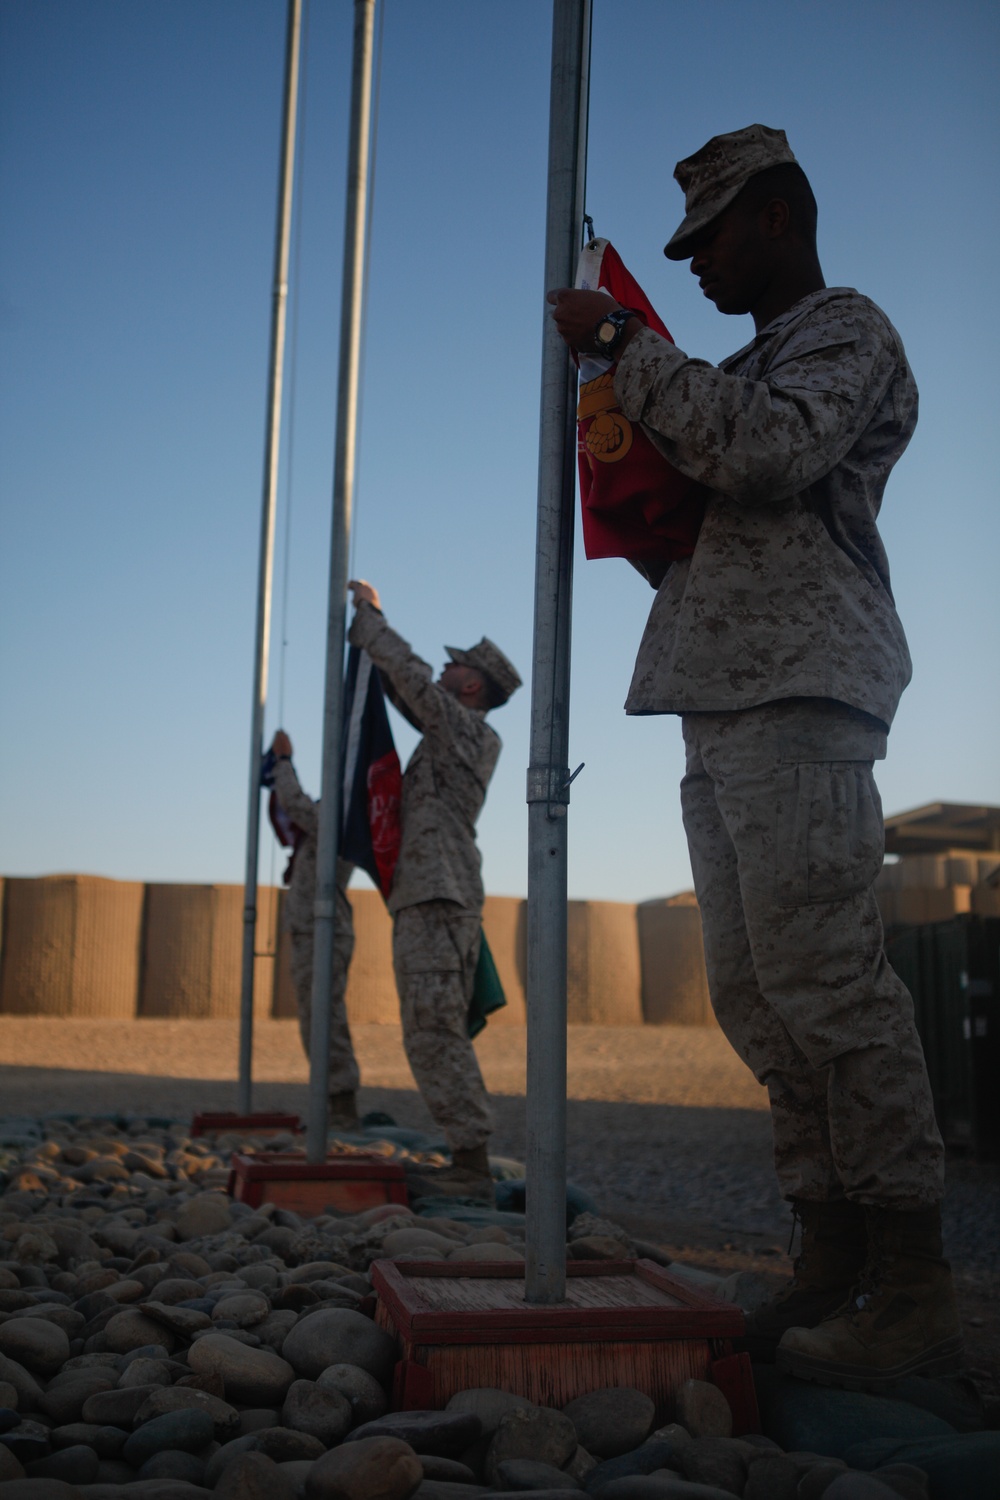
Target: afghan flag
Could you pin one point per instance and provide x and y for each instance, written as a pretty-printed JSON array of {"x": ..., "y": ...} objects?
[
  {"x": 372, "y": 787},
  {"x": 635, "y": 504}
]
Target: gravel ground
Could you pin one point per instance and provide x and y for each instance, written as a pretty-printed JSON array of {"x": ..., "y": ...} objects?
[{"x": 666, "y": 1128}]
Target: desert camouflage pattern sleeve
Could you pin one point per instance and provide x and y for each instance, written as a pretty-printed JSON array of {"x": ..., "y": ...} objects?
[
  {"x": 445, "y": 782},
  {"x": 758, "y": 440},
  {"x": 787, "y": 594},
  {"x": 297, "y": 804}
]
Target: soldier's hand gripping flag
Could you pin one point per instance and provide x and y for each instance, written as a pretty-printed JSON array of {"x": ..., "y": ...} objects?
[{"x": 634, "y": 503}]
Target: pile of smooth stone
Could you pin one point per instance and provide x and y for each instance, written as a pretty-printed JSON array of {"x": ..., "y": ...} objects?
[{"x": 159, "y": 1339}]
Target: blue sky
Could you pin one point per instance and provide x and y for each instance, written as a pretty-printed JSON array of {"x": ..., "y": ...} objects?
[{"x": 138, "y": 183}]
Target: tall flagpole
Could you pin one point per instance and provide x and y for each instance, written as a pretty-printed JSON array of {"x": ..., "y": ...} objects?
[
  {"x": 548, "y": 771},
  {"x": 266, "y": 561},
  {"x": 343, "y": 495}
]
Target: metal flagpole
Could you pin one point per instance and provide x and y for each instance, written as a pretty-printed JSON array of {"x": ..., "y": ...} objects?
[
  {"x": 266, "y": 563},
  {"x": 343, "y": 493},
  {"x": 548, "y": 771}
]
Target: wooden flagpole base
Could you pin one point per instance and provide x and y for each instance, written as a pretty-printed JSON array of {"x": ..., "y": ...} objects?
[
  {"x": 623, "y": 1323},
  {"x": 349, "y": 1183}
]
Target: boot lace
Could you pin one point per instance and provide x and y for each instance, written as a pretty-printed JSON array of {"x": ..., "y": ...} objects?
[{"x": 869, "y": 1282}]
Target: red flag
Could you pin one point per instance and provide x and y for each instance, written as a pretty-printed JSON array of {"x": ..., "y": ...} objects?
[{"x": 635, "y": 504}]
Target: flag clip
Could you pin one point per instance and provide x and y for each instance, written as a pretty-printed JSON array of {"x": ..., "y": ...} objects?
[{"x": 589, "y": 226}]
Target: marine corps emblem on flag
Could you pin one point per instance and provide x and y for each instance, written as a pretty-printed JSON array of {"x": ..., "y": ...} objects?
[
  {"x": 634, "y": 503},
  {"x": 608, "y": 435}
]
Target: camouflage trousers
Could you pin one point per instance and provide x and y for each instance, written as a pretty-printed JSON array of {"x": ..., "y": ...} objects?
[
  {"x": 343, "y": 1075},
  {"x": 435, "y": 948},
  {"x": 785, "y": 832}
]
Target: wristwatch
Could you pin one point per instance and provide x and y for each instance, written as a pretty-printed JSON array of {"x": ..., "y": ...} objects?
[{"x": 609, "y": 330}]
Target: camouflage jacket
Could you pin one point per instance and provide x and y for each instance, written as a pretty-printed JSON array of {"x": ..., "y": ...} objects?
[
  {"x": 299, "y": 914},
  {"x": 444, "y": 786},
  {"x": 787, "y": 594}
]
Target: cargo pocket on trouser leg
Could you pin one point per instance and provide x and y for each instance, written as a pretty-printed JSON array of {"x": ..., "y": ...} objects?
[{"x": 829, "y": 838}]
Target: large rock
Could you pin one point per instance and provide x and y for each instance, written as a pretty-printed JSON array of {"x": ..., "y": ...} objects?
[
  {"x": 660, "y": 1485},
  {"x": 713, "y": 1461},
  {"x": 185, "y": 1322},
  {"x": 853, "y": 1486},
  {"x": 35, "y": 1343},
  {"x": 254, "y": 1476},
  {"x": 380, "y": 1468},
  {"x": 225, "y": 1418},
  {"x": 245, "y": 1309},
  {"x": 64, "y": 1402},
  {"x": 116, "y": 1408},
  {"x": 540, "y": 1433},
  {"x": 518, "y": 1474},
  {"x": 185, "y": 1429},
  {"x": 252, "y": 1377},
  {"x": 489, "y": 1405},
  {"x": 959, "y": 1466},
  {"x": 807, "y": 1418},
  {"x": 174, "y": 1289},
  {"x": 658, "y": 1452},
  {"x": 282, "y": 1444},
  {"x": 10, "y": 1466},
  {"x": 318, "y": 1410},
  {"x": 772, "y": 1476},
  {"x": 611, "y": 1421},
  {"x": 174, "y": 1464},
  {"x": 204, "y": 1214},
  {"x": 447, "y": 1433},
  {"x": 339, "y": 1335},
  {"x": 367, "y": 1398},
  {"x": 76, "y": 1465},
  {"x": 131, "y": 1329},
  {"x": 703, "y": 1410}
]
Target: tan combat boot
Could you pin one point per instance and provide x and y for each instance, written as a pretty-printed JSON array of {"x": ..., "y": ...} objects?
[
  {"x": 831, "y": 1254},
  {"x": 901, "y": 1320},
  {"x": 343, "y": 1111}
]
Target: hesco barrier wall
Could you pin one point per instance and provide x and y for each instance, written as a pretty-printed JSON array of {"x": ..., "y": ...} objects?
[
  {"x": 79, "y": 945},
  {"x": 603, "y": 987},
  {"x": 674, "y": 981},
  {"x": 71, "y": 946}
]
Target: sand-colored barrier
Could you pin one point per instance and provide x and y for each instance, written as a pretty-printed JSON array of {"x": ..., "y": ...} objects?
[
  {"x": 192, "y": 952},
  {"x": 603, "y": 977},
  {"x": 72, "y": 946},
  {"x": 674, "y": 981},
  {"x": 504, "y": 923}
]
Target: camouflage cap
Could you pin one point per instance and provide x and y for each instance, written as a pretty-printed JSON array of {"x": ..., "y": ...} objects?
[
  {"x": 713, "y": 176},
  {"x": 489, "y": 660}
]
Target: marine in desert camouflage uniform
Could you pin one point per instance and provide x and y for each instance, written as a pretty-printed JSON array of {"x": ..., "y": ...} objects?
[
  {"x": 436, "y": 899},
  {"x": 779, "y": 645},
  {"x": 300, "y": 921}
]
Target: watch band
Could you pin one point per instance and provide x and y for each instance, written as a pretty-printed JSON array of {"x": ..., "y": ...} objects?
[{"x": 618, "y": 319}]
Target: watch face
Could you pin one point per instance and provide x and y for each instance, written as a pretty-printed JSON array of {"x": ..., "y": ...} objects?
[{"x": 606, "y": 332}]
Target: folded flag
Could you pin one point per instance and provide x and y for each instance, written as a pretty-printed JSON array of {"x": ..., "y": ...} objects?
[
  {"x": 372, "y": 787},
  {"x": 487, "y": 991},
  {"x": 634, "y": 503}
]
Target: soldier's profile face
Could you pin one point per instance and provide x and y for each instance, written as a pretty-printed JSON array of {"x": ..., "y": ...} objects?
[
  {"x": 731, "y": 260},
  {"x": 452, "y": 677}
]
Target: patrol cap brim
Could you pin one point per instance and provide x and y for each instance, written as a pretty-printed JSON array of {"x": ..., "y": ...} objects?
[
  {"x": 682, "y": 242},
  {"x": 714, "y": 177}
]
